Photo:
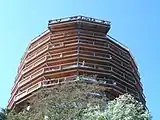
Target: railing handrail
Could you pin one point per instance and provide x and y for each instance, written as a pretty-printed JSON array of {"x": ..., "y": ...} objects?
[
  {"x": 119, "y": 43},
  {"x": 125, "y": 47},
  {"x": 79, "y": 17},
  {"x": 61, "y": 78},
  {"x": 39, "y": 36}
]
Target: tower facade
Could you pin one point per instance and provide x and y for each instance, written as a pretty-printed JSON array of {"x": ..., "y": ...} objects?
[{"x": 73, "y": 48}]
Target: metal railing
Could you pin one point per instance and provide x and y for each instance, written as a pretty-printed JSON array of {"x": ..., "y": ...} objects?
[{"x": 75, "y": 18}]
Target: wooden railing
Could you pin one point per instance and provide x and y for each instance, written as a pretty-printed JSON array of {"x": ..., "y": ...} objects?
[
  {"x": 31, "y": 77},
  {"x": 95, "y": 66},
  {"x": 61, "y": 44},
  {"x": 69, "y": 65},
  {"x": 51, "y": 68},
  {"x": 31, "y": 66},
  {"x": 37, "y": 39},
  {"x": 51, "y": 82},
  {"x": 37, "y": 54},
  {"x": 40, "y": 43},
  {"x": 10, "y": 102},
  {"x": 96, "y": 44},
  {"x": 27, "y": 91},
  {"x": 46, "y": 70},
  {"x": 48, "y": 82},
  {"x": 23, "y": 81}
]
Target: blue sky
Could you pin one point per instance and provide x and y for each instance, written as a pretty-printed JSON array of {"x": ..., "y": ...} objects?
[{"x": 135, "y": 23}]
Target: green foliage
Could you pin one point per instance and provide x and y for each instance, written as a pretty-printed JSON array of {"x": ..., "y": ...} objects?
[
  {"x": 126, "y": 108},
  {"x": 2, "y": 114},
  {"x": 62, "y": 102},
  {"x": 71, "y": 101},
  {"x": 123, "y": 108}
]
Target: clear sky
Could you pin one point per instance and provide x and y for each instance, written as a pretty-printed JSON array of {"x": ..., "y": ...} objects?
[{"x": 136, "y": 23}]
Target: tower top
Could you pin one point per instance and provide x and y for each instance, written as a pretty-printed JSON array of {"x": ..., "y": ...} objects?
[
  {"x": 79, "y": 22},
  {"x": 79, "y": 17}
]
